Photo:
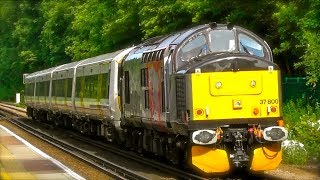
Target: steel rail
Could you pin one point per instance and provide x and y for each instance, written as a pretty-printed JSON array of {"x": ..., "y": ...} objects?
[
  {"x": 174, "y": 171},
  {"x": 13, "y": 107},
  {"x": 166, "y": 168},
  {"x": 112, "y": 169}
]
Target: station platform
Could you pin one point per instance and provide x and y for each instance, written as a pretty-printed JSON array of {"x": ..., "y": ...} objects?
[{"x": 20, "y": 160}]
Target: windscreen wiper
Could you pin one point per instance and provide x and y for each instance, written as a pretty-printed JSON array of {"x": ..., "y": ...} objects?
[{"x": 244, "y": 48}]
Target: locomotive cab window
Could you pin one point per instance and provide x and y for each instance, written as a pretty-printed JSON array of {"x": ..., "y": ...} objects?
[
  {"x": 195, "y": 47},
  {"x": 222, "y": 41},
  {"x": 250, "y": 46}
]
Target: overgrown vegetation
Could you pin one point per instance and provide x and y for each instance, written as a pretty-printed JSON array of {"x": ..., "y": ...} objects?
[
  {"x": 302, "y": 119},
  {"x": 41, "y": 34}
]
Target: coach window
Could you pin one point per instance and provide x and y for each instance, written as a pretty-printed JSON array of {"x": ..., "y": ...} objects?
[
  {"x": 47, "y": 84},
  {"x": 250, "y": 46},
  {"x": 69, "y": 91},
  {"x": 80, "y": 86},
  {"x": 53, "y": 90},
  {"x": 38, "y": 89},
  {"x": 195, "y": 47},
  {"x": 105, "y": 85},
  {"x": 91, "y": 86},
  {"x": 29, "y": 89}
]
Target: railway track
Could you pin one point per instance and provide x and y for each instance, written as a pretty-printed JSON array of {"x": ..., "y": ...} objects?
[
  {"x": 108, "y": 167},
  {"x": 175, "y": 172}
]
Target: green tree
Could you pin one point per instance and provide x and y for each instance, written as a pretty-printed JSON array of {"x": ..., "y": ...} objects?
[
  {"x": 26, "y": 33},
  {"x": 8, "y": 50},
  {"x": 56, "y": 29},
  {"x": 87, "y": 39}
]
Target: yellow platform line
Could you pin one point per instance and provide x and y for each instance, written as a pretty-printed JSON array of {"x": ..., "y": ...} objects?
[
  {"x": 10, "y": 167},
  {"x": 3, "y": 174}
]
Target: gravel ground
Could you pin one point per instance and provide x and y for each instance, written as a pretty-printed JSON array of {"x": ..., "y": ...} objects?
[{"x": 295, "y": 172}]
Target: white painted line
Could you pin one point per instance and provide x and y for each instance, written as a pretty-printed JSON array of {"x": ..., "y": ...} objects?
[{"x": 58, "y": 163}]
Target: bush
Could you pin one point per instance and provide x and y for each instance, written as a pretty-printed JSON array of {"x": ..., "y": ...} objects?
[
  {"x": 294, "y": 153},
  {"x": 301, "y": 119}
]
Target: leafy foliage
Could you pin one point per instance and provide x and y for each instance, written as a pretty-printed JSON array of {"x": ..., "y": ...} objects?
[
  {"x": 302, "y": 121},
  {"x": 40, "y": 34},
  {"x": 298, "y": 28}
]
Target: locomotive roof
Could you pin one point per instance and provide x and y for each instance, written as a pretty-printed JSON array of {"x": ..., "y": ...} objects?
[
  {"x": 161, "y": 42},
  {"x": 153, "y": 44},
  {"x": 158, "y": 42}
]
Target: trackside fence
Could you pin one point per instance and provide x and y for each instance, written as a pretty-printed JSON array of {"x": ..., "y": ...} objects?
[{"x": 296, "y": 88}]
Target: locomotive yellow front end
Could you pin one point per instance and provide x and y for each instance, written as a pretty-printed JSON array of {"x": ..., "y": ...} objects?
[
  {"x": 233, "y": 101},
  {"x": 233, "y": 110}
]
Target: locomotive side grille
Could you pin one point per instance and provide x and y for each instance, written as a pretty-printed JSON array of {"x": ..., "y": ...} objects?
[{"x": 180, "y": 96}]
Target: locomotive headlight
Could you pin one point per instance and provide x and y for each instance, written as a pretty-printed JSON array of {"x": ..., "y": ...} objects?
[
  {"x": 218, "y": 85},
  {"x": 236, "y": 104},
  {"x": 253, "y": 83},
  {"x": 204, "y": 137},
  {"x": 275, "y": 133}
]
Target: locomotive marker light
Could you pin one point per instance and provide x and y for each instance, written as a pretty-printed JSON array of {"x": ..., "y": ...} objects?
[
  {"x": 270, "y": 68},
  {"x": 272, "y": 109},
  {"x": 275, "y": 133},
  {"x": 256, "y": 111},
  {"x": 218, "y": 85},
  {"x": 197, "y": 70},
  {"x": 199, "y": 112},
  {"x": 204, "y": 137}
]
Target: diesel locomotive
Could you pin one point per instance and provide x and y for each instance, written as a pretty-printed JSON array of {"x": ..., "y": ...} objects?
[{"x": 208, "y": 97}]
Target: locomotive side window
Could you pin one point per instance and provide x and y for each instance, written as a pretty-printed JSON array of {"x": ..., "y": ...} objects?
[
  {"x": 144, "y": 77},
  {"x": 127, "y": 87},
  {"x": 144, "y": 83},
  {"x": 195, "y": 47},
  {"x": 222, "y": 40},
  {"x": 250, "y": 46},
  {"x": 146, "y": 99}
]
